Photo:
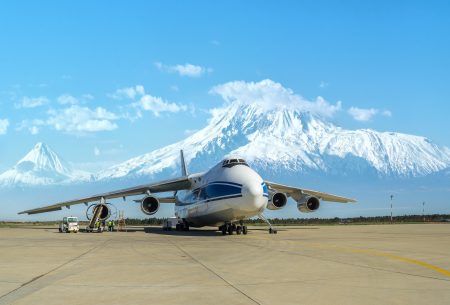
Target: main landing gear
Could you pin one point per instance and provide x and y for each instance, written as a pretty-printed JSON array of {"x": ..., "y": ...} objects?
[
  {"x": 230, "y": 228},
  {"x": 182, "y": 226}
]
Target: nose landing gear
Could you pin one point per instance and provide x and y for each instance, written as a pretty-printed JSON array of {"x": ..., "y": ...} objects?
[{"x": 272, "y": 230}]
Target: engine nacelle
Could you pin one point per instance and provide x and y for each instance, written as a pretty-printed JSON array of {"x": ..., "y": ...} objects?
[
  {"x": 150, "y": 205},
  {"x": 276, "y": 201},
  {"x": 105, "y": 211},
  {"x": 308, "y": 204}
]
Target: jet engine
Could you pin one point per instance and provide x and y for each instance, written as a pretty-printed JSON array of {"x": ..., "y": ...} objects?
[
  {"x": 150, "y": 205},
  {"x": 104, "y": 214},
  {"x": 308, "y": 204},
  {"x": 276, "y": 201}
]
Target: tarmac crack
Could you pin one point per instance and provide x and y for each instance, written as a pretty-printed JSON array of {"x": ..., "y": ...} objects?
[
  {"x": 213, "y": 272},
  {"x": 46, "y": 278}
]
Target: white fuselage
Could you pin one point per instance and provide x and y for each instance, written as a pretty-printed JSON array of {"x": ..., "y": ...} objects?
[{"x": 221, "y": 195}]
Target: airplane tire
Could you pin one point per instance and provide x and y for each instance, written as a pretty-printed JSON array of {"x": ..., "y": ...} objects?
[
  {"x": 224, "y": 230},
  {"x": 238, "y": 230},
  {"x": 230, "y": 230},
  {"x": 244, "y": 230}
]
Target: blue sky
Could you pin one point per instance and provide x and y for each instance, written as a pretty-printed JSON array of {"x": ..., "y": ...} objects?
[{"x": 64, "y": 66}]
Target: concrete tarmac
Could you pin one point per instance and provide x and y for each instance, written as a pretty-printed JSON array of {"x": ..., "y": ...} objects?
[{"x": 347, "y": 264}]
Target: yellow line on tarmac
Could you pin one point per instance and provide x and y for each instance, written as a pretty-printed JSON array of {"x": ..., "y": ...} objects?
[
  {"x": 374, "y": 253},
  {"x": 405, "y": 259}
]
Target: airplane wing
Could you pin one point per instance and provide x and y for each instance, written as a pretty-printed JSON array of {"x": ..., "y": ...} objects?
[
  {"x": 158, "y": 187},
  {"x": 297, "y": 193}
]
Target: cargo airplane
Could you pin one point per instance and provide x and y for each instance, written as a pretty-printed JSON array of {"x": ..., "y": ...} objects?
[{"x": 224, "y": 196}]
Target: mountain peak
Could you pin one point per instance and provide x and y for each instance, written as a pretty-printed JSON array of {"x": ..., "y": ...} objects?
[
  {"x": 41, "y": 165},
  {"x": 43, "y": 158},
  {"x": 41, "y": 146},
  {"x": 287, "y": 138}
]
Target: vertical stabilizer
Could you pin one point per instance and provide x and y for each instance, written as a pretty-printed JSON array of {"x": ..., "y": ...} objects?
[{"x": 183, "y": 164}]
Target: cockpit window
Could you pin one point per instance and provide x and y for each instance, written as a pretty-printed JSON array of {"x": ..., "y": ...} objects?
[{"x": 233, "y": 162}]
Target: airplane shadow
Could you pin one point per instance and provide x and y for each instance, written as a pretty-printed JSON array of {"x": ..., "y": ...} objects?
[
  {"x": 213, "y": 232},
  {"x": 197, "y": 232},
  {"x": 191, "y": 232}
]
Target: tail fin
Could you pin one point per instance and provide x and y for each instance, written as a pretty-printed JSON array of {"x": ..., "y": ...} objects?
[{"x": 183, "y": 164}]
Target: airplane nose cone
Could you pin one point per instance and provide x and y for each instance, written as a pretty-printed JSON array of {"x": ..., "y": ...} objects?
[
  {"x": 252, "y": 190},
  {"x": 254, "y": 197}
]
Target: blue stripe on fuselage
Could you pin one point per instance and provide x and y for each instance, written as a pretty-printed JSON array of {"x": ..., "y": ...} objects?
[
  {"x": 213, "y": 191},
  {"x": 265, "y": 190}
]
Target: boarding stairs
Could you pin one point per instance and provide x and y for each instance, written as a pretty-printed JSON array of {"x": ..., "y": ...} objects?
[{"x": 98, "y": 209}]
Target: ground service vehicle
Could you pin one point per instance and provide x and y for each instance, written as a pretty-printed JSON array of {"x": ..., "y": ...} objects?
[
  {"x": 170, "y": 223},
  {"x": 69, "y": 224}
]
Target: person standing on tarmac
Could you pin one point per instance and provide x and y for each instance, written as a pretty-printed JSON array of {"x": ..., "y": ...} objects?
[{"x": 110, "y": 225}]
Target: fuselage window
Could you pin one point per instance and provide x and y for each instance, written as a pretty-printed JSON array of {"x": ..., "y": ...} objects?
[{"x": 233, "y": 162}]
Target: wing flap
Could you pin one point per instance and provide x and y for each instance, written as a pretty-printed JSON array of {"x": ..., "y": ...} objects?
[
  {"x": 298, "y": 193},
  {"x": 158, "y": 187}
]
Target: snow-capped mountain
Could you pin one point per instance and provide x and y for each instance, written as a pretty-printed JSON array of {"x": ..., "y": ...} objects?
[
  {"x": 289, "y": 139},
  {"x": 279, "y": 140},
  {"x": 41, "y": 166}
]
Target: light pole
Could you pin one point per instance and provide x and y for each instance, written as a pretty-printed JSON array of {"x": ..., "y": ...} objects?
[
  {"x": 392, "y": 196},
  {"x": 423, "y": 211}
]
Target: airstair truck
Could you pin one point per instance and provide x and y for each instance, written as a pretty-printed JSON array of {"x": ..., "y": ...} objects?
[{"x": 69, "y": 224}]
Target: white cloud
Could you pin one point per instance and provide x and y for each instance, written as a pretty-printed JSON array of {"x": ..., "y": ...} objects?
[
  {"x": 31, "y": 125},
  {"x": 4, "y": 123},
  {"x": 187, "y": 69},
  {"x": 32, "y": 102},
  {"x": 67, "y": 99},
  {"x": 323, "y": 84},
  {"x": 146, "y": 102},
  {"x": 128, "y": 92},
  {"x": 87, "y": 97},
  {"x": 269, "y": 94},
  {"x": 364, "y": 115},
  {"x": 386, "y": 113},
  {"x": 361, "y": 114},
  {"x": 96, "y": 151},
  {"x": 157, "y": 105},
  {"x": 76, "y": 119},
  {"x": 34, "y": 130}
]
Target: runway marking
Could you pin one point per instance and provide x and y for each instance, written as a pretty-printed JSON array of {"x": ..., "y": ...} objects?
[
  {"x": 405, "y": 259},
  {"x": 374, "y": 253},
  {"x": 392, "y": 256}
]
